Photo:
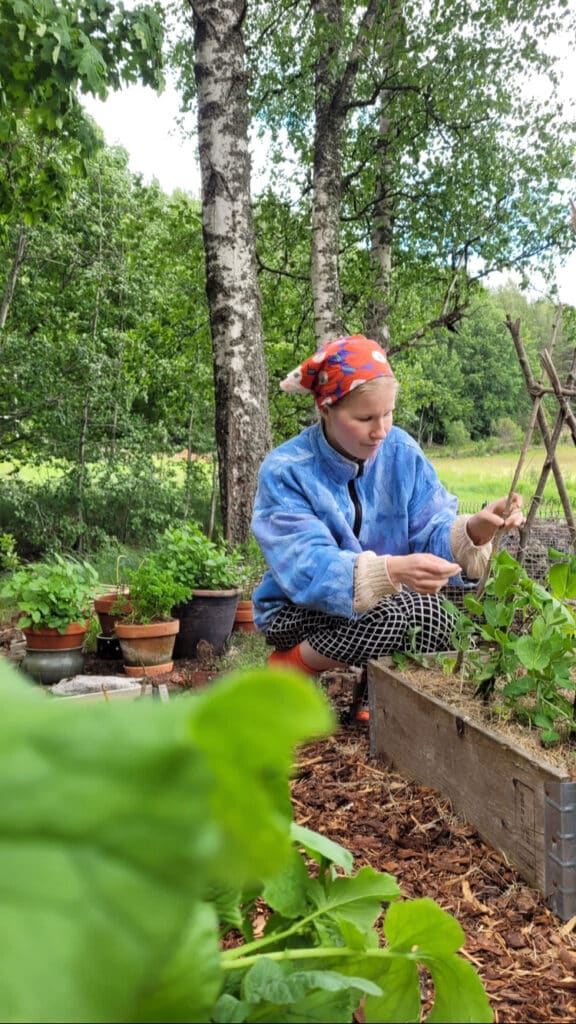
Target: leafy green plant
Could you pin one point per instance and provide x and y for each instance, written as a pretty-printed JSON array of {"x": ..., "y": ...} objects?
[
  {"x": 321, "y": 955},
  {"x": 254, "y": 567},
  {"x": 154, "y": 590},
  {"x": 169, "y": 812},
  {"x": 519, "y": 638},
  {"x": 52, "y": 593},
  {"x": 9, "y": 558},
  {"x": 198, "y": 562}
]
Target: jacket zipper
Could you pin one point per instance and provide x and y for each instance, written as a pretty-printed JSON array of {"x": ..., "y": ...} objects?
[{"x": 356, "y": 502}]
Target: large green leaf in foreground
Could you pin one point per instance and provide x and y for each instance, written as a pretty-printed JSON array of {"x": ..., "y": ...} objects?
[{"x": 112, "y": 819}]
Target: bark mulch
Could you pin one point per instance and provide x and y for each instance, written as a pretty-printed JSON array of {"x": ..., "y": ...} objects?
[{"x": 525, "y": 955}]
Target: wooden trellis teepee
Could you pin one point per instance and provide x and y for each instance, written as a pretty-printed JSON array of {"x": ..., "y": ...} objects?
[{"x": 565, "y": 417}]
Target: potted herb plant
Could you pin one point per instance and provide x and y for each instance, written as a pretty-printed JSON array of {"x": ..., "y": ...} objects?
[
  {"x": 55, "y": 597},
  {"x": 212, "y": 574},
  {"x": 147, "y": 628}
]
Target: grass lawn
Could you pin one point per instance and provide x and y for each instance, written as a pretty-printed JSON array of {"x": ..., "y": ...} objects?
[{"x": 475, "y": 479}]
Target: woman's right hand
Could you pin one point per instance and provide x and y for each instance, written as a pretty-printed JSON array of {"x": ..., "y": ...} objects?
[{"x": 425, "y": 573}]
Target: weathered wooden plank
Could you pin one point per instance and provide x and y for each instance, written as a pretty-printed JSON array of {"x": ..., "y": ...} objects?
[{"x": 498, "y": 787}]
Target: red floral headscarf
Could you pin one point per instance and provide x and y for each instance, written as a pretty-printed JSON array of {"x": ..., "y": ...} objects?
[{"x": 337, "y": 368}]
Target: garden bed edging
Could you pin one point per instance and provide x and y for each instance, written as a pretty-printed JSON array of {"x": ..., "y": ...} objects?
[{"x": 521, "y": 805}]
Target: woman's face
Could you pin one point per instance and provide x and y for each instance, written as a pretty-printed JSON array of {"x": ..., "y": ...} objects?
[{"x": 357, "y": 425}]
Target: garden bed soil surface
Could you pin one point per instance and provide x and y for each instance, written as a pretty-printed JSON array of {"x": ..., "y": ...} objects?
[
  {"x": 489, "y": 712},
  {"x": 525, "y": 956}
]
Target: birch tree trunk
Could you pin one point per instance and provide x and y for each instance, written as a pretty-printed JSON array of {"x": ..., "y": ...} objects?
[
  {"x": 327, "y": 175},
  {"x": 377, "y": 325},
  {"x": 13, "y": 275},
  {"x": 243, "y": 433},
  {"x": 336, "y": 72},
  {"x": 381, "y": 252}
]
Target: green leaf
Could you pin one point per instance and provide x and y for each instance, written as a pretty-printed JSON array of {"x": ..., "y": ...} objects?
[
  {"x": 474, "y": 606},
  {"x": 276, "y": 992},
  {"x": 357, "y": 899},
  {"x": 178, "y": 994},
  {"x": 557, "y": 578},
  {"x": 229, "y": 1010},
  {"x": 518, "y": 687},
  {"x": 422, "y": 929},
  {"x": 320, "y": 1008},
  {"x": 549, "y": 736},
  {"x": 417, "y": 926},
  {"x": 291, "y": 710},
  {"x": 533, "y": 655},
  {"x": 226, "y": 900},
  {"x": 356, "y": 937},
  {"x": 320, "y": 848},
  {"x": 287, "y": 892},
  {"x": 400, "y": 1001},
  {"x": 86, "y": 819},
  {"x": 458, "y": 993}
]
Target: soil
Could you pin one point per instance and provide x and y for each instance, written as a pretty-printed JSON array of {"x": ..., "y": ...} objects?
[{"x": 525, "y": 956}]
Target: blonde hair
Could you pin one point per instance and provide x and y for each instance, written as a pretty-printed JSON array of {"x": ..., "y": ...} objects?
[{"x": 369, "y": 385}]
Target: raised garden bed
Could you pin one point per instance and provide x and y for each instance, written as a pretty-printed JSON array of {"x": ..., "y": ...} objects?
[{"x": 523, "y": 805}]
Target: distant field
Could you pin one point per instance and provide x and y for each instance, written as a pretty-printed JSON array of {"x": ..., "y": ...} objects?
[{"x": 476, "y": 479}]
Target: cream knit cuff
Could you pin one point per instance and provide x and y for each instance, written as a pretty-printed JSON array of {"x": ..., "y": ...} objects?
[
  {"x": 371, "y": 581},
  {"x": 473, "y": 558}
]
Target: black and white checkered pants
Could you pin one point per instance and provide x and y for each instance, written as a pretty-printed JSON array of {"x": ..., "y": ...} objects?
[{"x": 404, "y": 622}]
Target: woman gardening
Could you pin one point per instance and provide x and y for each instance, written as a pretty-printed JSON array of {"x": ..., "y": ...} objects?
[{"x": 358, "y": 533}]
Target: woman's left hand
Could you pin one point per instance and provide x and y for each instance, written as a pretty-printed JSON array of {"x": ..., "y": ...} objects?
[{"x": 482, "y": 526}]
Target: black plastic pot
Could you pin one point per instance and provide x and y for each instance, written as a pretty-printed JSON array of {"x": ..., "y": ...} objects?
[
  {"x": 209, "y": 616},
  {"x": 108, "y": 648}
]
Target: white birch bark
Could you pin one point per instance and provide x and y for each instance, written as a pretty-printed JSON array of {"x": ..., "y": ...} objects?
[
  {"x": 336, "y": 72},
  {"x": 243, "y": 434},
  {"x": 13, "y": 275},
  {"x": 377, "y": 325}
]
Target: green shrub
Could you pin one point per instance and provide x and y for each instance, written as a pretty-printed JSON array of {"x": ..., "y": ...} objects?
[
  {"x": 507, "y": 432},
  {"x": 132, "y": 502},
  {"x": 9, "y": 558},
  {"x": 457, "y": 436}
]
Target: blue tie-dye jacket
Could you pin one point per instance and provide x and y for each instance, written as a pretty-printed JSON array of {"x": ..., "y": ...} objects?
[{"x": 316, "y": 510}]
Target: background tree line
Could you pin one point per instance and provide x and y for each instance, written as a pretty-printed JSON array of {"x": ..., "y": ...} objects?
[{"x": 406, "y": 162}]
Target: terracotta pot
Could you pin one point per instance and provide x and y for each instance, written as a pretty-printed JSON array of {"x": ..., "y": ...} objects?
[
  {"x": 102, "y": 606},
  {"x": 147, "y": 650},
  {"x": 43, "y": 638},
  {"x": 244, "y": 618}
]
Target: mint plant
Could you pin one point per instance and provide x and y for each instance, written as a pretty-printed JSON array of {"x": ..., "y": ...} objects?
[
  {"x": 198, "y": 562},
  {"x": 53, "y": 593},
  {"x": 519, "y": 639},
  {"x": 132, "y": 835}
]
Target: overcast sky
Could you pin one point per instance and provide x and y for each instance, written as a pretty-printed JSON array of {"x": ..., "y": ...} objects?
[{"x": 146, "y": 126}]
